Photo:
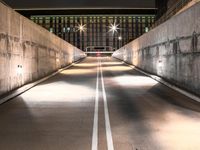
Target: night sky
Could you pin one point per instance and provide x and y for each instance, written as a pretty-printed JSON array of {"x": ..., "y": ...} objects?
[{"x": 23, "y": 4}]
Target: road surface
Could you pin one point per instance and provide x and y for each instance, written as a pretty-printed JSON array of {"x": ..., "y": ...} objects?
[{"x": 100, "y": 104}]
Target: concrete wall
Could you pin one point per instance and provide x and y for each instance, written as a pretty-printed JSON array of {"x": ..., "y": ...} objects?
[
  {"x": 171, "y": 50},
  {"x": 28, "y": 52}
]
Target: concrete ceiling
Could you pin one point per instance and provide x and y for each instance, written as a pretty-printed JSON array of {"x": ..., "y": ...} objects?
[{"x": 83, "y": 4}]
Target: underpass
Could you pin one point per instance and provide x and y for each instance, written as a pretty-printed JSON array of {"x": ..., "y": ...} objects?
[{"x": 139, "y": 91}]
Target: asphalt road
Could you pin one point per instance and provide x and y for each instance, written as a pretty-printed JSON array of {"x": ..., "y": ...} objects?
[{"x": 100, "y": 104}]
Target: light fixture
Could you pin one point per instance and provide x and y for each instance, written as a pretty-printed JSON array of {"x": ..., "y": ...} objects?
[
  {"x": 19, "y": 69},
  {"x": 81, "y": 27},
  {"x": 113, "y": 28},
  {"x": 119, "y": 38},
  {"x": 51, "y": 30},
  {"x": 160, "y": 63},
  {"x": 68, "y": 29},
  {"x": 64, "y": 29},
  {"x": 146, "y": 29}
]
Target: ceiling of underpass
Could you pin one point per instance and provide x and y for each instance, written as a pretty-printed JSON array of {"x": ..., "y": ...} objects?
[{"x": 83, "y": 4}]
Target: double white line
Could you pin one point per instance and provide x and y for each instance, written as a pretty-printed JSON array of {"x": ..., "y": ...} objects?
[{"x": 107, "y": 120}]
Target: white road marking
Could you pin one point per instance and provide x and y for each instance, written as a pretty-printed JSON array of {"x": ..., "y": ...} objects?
[
  {"x": 107, "y": 120},
  {"x": 95, "y": 124}
]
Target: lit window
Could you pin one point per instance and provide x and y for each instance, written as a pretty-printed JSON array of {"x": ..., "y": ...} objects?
[
  {"x": 146, "y": 29},
  {"x": 64, "y": 29},
  {"x": 51, "y": 30},
  {"x": 68, "y": 29}
]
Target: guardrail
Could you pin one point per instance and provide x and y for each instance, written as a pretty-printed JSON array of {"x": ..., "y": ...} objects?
[{"x": 97, "y": 52}]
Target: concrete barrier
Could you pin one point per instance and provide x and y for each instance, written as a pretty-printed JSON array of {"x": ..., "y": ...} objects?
[
  {"x": 171, "y": 50},
  {"x": 29, "y": 52}
]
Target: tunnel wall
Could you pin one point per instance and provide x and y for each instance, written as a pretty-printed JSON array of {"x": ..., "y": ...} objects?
[
  {"x": 28, "y": 52},
  {"x": 171, "y": 50}
]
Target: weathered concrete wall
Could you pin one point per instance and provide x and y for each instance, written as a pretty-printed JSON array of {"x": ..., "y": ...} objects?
[
  {"x": 29, "y": 52},
  {"x": 171, "y": 50}
]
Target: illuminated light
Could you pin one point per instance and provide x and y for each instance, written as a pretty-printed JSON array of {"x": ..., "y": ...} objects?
[
  {"x": 125, "y": 56},
  {"x": 57, "y": 60},
  {"x": 64, "y": 29},
  {"x": 146, "y": 29},
  {"x": 113, "y": 28},
  {"x": 160, "y": 67},
  {"x": 19, "y": 69},
  {"x": 68, "y": 29},
  {"x": 160, "y": 63},
  {"x": 81, "y": 27},
  {"x": 119, "y": 38},
  {"x": 51, "y": 30}
]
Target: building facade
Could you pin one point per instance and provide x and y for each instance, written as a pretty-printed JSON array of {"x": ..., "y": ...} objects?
[
  {"x": 90, "y": 32},
  {"x": 169, "y": 7}
]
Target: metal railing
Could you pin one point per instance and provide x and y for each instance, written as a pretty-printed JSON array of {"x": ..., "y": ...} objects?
[
  {"x": 99, "y": 48},
  {"x": 171, "y": 12}
]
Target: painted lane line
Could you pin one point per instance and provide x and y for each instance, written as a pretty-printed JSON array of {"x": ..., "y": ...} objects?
[
  {"x": 106, "y": 113},
  {"x": 96, "y": 110}
]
